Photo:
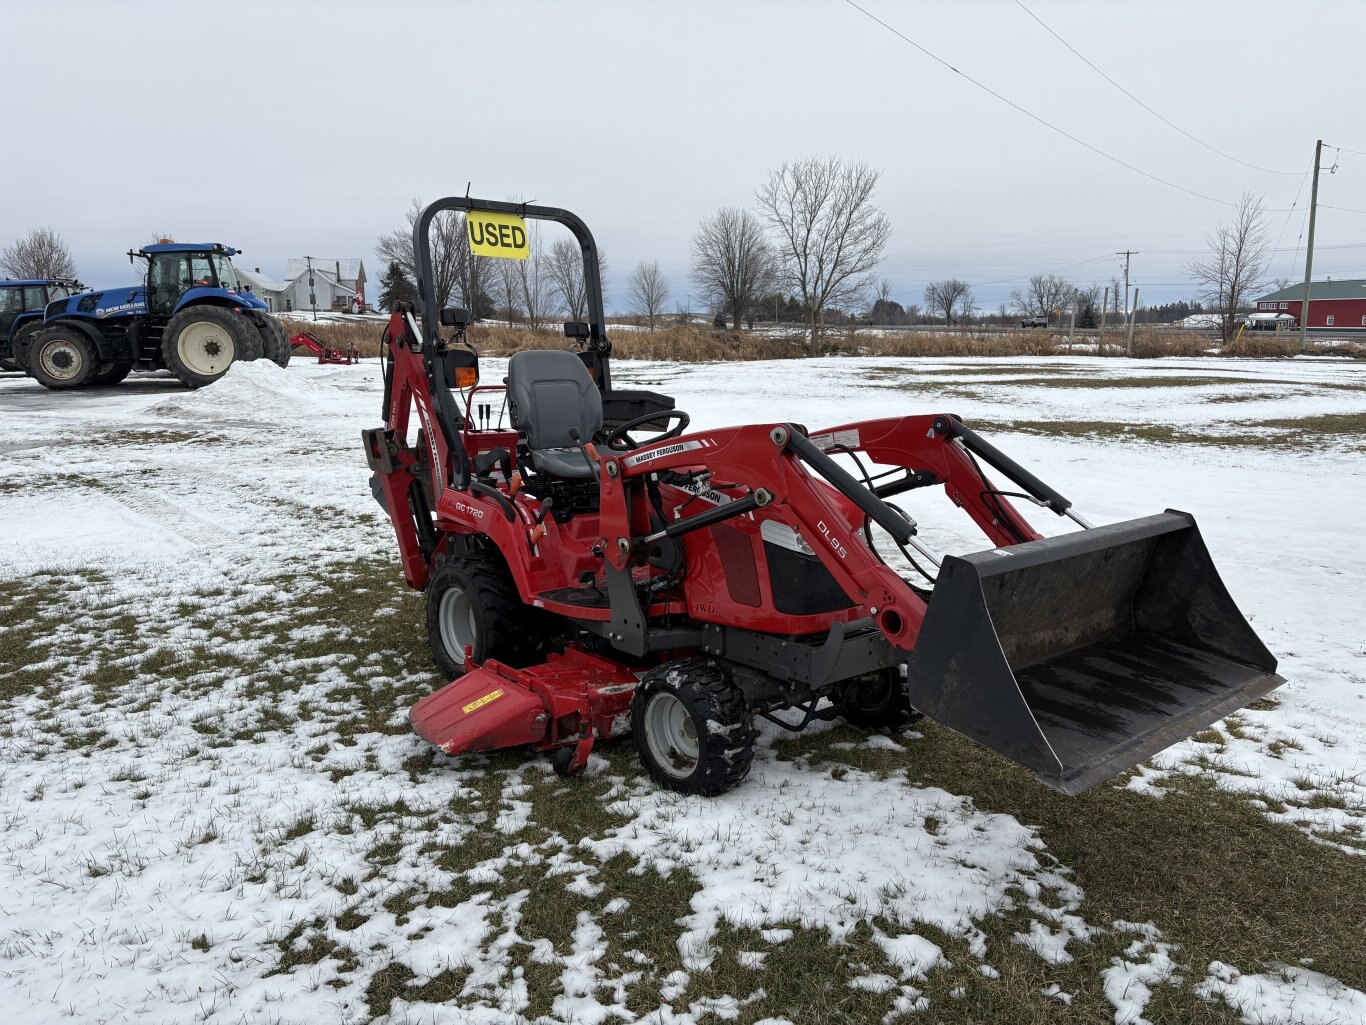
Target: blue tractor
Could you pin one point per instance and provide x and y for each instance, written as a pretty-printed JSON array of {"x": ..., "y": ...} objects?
[
  {"x": 191, "y": 316},
  {"x": 21, "y": 314}
]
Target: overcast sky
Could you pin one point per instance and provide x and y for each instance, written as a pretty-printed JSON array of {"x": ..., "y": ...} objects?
[{"x": 292, "y": 128}]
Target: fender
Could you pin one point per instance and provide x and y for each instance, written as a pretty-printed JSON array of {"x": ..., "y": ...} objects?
[
  {"x": 91, "y": 329},
  {"x": 215, "y": 297},
  {"x": 22, "y": 321}
]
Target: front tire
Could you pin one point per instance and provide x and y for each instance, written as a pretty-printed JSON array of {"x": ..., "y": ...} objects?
[
  {"x": 473, "y": 602},
  {"x": 62, "y": 357},
  {"x": 878, "y": 701},
  {"x": 201, "y": 342},
  {"x": 691, "y": 727},
  {"x": 274, "y": 339},
  {"x": 110, "y": 374}
]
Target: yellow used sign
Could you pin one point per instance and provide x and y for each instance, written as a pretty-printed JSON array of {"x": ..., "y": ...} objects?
[
  {"x": 493, "y": 234},
  {"x": 481, "y": 702}
]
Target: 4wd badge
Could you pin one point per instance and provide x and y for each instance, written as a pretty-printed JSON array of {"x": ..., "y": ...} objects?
[{"x": 492, "y": 234}]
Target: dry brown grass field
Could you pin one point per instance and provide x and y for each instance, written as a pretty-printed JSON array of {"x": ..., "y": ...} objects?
[{"x": 696, "y": 343}]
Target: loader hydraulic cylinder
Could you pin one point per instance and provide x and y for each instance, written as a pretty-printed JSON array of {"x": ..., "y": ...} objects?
[
  {"x": 756, "y": 500},
  {"x": 873, "y": 507},
  {"x": 992, "y": 455}
]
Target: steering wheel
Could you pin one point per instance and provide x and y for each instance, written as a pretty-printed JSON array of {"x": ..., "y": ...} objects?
[{"x": 619, "y": 440}]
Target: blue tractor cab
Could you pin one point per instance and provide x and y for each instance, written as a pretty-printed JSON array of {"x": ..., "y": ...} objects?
[
  {"x": 190, "y": 316},
  {"x": 22, "y": 302}
]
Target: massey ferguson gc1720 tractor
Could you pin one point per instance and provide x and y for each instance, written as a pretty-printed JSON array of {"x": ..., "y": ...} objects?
[
  {"x": 190, "y": 316},
  {"x": 584, "y": 581}
]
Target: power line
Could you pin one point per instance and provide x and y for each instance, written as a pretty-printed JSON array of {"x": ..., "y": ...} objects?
[
  {"x": 1360, "y": 153},
  {"x": 1169, "y": 124},
  {"x": 1035, "y": 117},
  {"x": 1341, "y": 209},
  {"x": 1286, "y": 223}
]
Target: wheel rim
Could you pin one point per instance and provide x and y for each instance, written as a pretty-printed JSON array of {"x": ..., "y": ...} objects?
[
  {"x": 61, "y": 360},
  {"x": 205, "y": 347},
  {"x": 871, "y": 695},
  {"x": 455, "y": 617},
  {"x": 671, "y": 736}
]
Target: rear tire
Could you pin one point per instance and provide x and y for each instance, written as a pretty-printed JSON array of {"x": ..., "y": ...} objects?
[
  {"x": 9, "y": 365},
  {"x": 21, "y": 345},
  {"x": 110, "y": 374},
  {"x": 62, "y": 357},
  {"x": 691, "y": 727},
  {"x": 201, "y": 342},
  {"x": 472, "y": 600},
  {"x": 274, "y": 339},
  {"x": 879, "y": 701}
]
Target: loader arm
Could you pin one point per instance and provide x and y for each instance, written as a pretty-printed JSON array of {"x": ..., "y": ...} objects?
[{"x": 780, "y": 459}]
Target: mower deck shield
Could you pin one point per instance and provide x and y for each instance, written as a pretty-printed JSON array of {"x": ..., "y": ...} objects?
[
  {"x": 1080, "y": 656},
  {"x": 485, "y": 709}
]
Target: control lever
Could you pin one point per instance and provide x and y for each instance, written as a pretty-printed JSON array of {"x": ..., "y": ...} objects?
[
  {"x": 589, "y": 452},
  {"x": 538, "y": 531}
]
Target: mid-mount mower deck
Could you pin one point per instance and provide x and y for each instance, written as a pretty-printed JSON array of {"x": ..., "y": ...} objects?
[{"x": 582, "y": 583}]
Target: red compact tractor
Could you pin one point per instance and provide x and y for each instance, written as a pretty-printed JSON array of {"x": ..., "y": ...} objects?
[{"x": 585, "y": 581}]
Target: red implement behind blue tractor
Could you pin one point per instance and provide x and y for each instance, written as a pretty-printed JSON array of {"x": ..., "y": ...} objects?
[{"x": 584, "y": 581}]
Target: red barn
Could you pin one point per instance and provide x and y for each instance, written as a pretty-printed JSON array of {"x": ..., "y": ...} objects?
[{"x": 1339, "y": 305}]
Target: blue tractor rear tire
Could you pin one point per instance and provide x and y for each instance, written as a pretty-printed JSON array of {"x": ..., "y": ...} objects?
[
  {"x": 273, "y": 336},
  {"x": 62, "y": 357}
]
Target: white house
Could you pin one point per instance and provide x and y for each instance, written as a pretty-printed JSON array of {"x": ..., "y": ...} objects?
[
  {"x": 274, "y": 292},
  {"x": 335, "y": 284}
]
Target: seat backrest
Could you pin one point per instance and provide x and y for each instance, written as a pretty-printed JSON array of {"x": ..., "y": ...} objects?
[{"x": 550, "y": 392}]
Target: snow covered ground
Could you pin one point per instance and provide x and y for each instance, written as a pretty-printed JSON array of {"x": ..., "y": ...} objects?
[{"x": 213, "y": 809}]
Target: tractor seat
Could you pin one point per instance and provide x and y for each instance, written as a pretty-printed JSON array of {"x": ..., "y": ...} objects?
[{"x": 549, "y": 394}]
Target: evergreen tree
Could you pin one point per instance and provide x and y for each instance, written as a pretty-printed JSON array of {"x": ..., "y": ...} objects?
[{"x": 395, "y": 287}]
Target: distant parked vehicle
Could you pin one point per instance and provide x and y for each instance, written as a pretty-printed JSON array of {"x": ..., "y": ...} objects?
[
  {"x": 190, "y": 316},
  {"x": 21, "y": 314},
  {"x": 1034, "y": 322}
]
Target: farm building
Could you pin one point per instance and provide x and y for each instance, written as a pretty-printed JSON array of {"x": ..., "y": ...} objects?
[
  {"x": 1332, "y": 304},
  {"x": 264, "y": 287},
  {"x": 338, "y": 285}
]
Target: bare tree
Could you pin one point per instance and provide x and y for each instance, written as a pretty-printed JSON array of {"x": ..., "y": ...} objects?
[
  {"x": 564, "y": 268},
  {"x": 1046, "y": 295},
  {"x": 648, "y": 291},
  {"x": 533, "y": 280},
  {"x": 944, "y": 298},
  {"x": 1087, "y": 302},
  {"x": 830, "y": 233},
  {"x": 448, "y": 249},
  {"x": 1236, "y": 265},
  {"x": 732, "y": 263},
  {"x": 508, "y": 280},
  {"x": 42, "y": 253},
  {"x": 1116, "y": 298}
]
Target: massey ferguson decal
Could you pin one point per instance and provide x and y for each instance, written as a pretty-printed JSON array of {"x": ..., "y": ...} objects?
[{"x": 660, "y": 453}]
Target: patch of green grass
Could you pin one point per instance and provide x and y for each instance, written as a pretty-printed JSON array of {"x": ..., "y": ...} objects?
[{"x": 1208, "y": 868}]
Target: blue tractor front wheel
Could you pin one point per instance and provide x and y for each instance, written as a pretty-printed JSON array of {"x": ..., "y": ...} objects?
[
  {"x": 62, "y": 357},
  {"x": 200, "y": 343}
]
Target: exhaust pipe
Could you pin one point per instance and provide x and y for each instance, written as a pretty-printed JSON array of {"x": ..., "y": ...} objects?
[{"x": 1080, "y": 656}]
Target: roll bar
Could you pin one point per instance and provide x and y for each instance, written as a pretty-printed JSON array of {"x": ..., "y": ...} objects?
[{"x": 597, "y": 346}]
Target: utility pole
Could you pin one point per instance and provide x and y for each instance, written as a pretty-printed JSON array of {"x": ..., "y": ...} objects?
[
  {"x": 1126, "y": 254},
  {"x": 1133, "y": 315},
  {"x": 1072, "y": 329},
  {"x": 1309, "y": 252},
  {"x": 1100, "y": 338}
]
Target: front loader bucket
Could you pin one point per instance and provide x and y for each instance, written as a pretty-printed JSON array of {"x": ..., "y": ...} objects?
[{"x": 1080, "y": 656}]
